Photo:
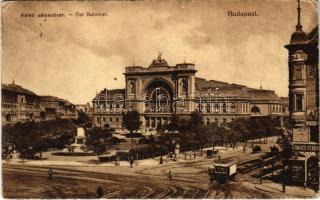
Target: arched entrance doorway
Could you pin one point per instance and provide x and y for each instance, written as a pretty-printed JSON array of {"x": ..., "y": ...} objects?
[
  {"x": 158, "y": 97},
  {"x": 312, "y": 168}
]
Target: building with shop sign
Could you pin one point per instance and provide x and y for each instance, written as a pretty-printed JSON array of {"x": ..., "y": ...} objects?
[{"x": 304, "y": 105}]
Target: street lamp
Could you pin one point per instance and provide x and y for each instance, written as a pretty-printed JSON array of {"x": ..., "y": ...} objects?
[
  {"x": 217, "y": 90},
  {"x": 211, "y": 109}
]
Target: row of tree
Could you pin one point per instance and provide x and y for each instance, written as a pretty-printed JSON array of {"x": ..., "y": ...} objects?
[
  {"x": 30, "y": 137},
  {"x": 35, "y": 137},
  {"x": 192, "y": 133}
]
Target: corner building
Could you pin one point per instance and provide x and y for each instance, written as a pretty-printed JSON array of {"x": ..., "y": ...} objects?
[
  {"x": 160, "y": 90},
  {"x": 304, "y": 105}
]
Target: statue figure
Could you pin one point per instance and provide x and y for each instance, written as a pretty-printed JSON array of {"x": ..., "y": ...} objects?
[
  {"x": 132, "y": 87},
  {"x": 159, "y": 56}
]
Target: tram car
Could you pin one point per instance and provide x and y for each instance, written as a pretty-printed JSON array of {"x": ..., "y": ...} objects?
[{"x": 223, "y": 170}]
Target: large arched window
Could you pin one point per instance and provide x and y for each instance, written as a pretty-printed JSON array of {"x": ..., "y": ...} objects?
[
  {"x": 255, "y": 110},
  {"x": 159, "y": 97}
]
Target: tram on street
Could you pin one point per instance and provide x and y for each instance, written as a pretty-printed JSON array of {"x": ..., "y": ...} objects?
[{"x": 222, "y": 170}]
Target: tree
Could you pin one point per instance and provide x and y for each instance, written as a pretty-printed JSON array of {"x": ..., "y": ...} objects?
[
  {"x": 201, "y": 135},
  {"x": 160, "y": 128},
  {"x": 174, "y": 123},
  {"x": 25, "y": 138},
  {"x": 196, "y": 120},
  {"x": 192, "y": 131},
  {"x": 40, "y": 145},
  {"x": 167, "y": 140},
  {"x": 99, "y": 139},
  {"x": 131, "y": 121},
  {"x": 83, "y": 119},
  {"x": 216, "y": 133},
  {"x": 232, "y": 137},
  {"x": 262, "y": 127},
  {"x": 238, "y": 131}
]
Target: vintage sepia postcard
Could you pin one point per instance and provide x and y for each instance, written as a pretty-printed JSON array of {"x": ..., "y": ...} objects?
[{"x": 170, "y": 99}]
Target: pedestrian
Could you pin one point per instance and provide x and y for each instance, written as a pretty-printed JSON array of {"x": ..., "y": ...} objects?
[
  {"x": 131, "y": 162},
  {"x": 99, "y": 192},
  {"x": 283, "y": 188},
  {"x": 161, "y": 160},
  {"x": 211, "y": 179},
  {"x": 50, "y": 173},
  {"x": 169, "y": 175}
]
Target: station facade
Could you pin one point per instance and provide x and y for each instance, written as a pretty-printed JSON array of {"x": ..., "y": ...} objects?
[{"x": 160, "y": 90}]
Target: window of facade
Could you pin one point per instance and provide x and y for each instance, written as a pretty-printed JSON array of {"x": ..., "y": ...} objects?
[
  {"x": 272, "y": 108},
  {"x": 158, "y": 121},
  {"x": 224, "y": 120},
  {"x": 165, "y": 121},
  {"x": 104, "y": 119},
  {"x": 299, "y": 102},
  {"x": 110, "y": 119},
  {"x": 208, "y": 108},
  {"x": 314, "y": 134},
  {"x": 217, "y": 107},
  {"x": 297, "y": 73},
  {"x": 98, "y": 119},
  {"x": 208, "y": 121},
  {"x": 8, "y": 118},
  {"x": 153, "y": 122},
  {"x": 224, "y": 107},
  {"x": 233, "y": 107},
  {"x": 199, "y": 107},
  {"x": 255, "y": 110},
  {"x": 117, "y": 119}
]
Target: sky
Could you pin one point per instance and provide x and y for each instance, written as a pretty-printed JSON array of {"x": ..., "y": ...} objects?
[{"x": 75, "y": 57}]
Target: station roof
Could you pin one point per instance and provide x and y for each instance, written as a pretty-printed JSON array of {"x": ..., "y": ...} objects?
[
  {"x": 109, "y": 93},
  {"x": 234, "y": 90}
]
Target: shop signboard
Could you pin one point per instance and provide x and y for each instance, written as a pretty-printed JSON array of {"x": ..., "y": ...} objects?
[
  {"x": 301, "y": 134},
  {"x": 309, "y": 147}
]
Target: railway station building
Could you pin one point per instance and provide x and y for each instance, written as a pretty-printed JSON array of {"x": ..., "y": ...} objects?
[{"x": 161, "y": 90}]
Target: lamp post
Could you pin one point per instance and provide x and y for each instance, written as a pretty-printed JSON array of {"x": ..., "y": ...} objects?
[
  {"x": 211, "y": 109},
  {"x": 286, "y": 153},
  {"x": 217, "y": 90}
]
